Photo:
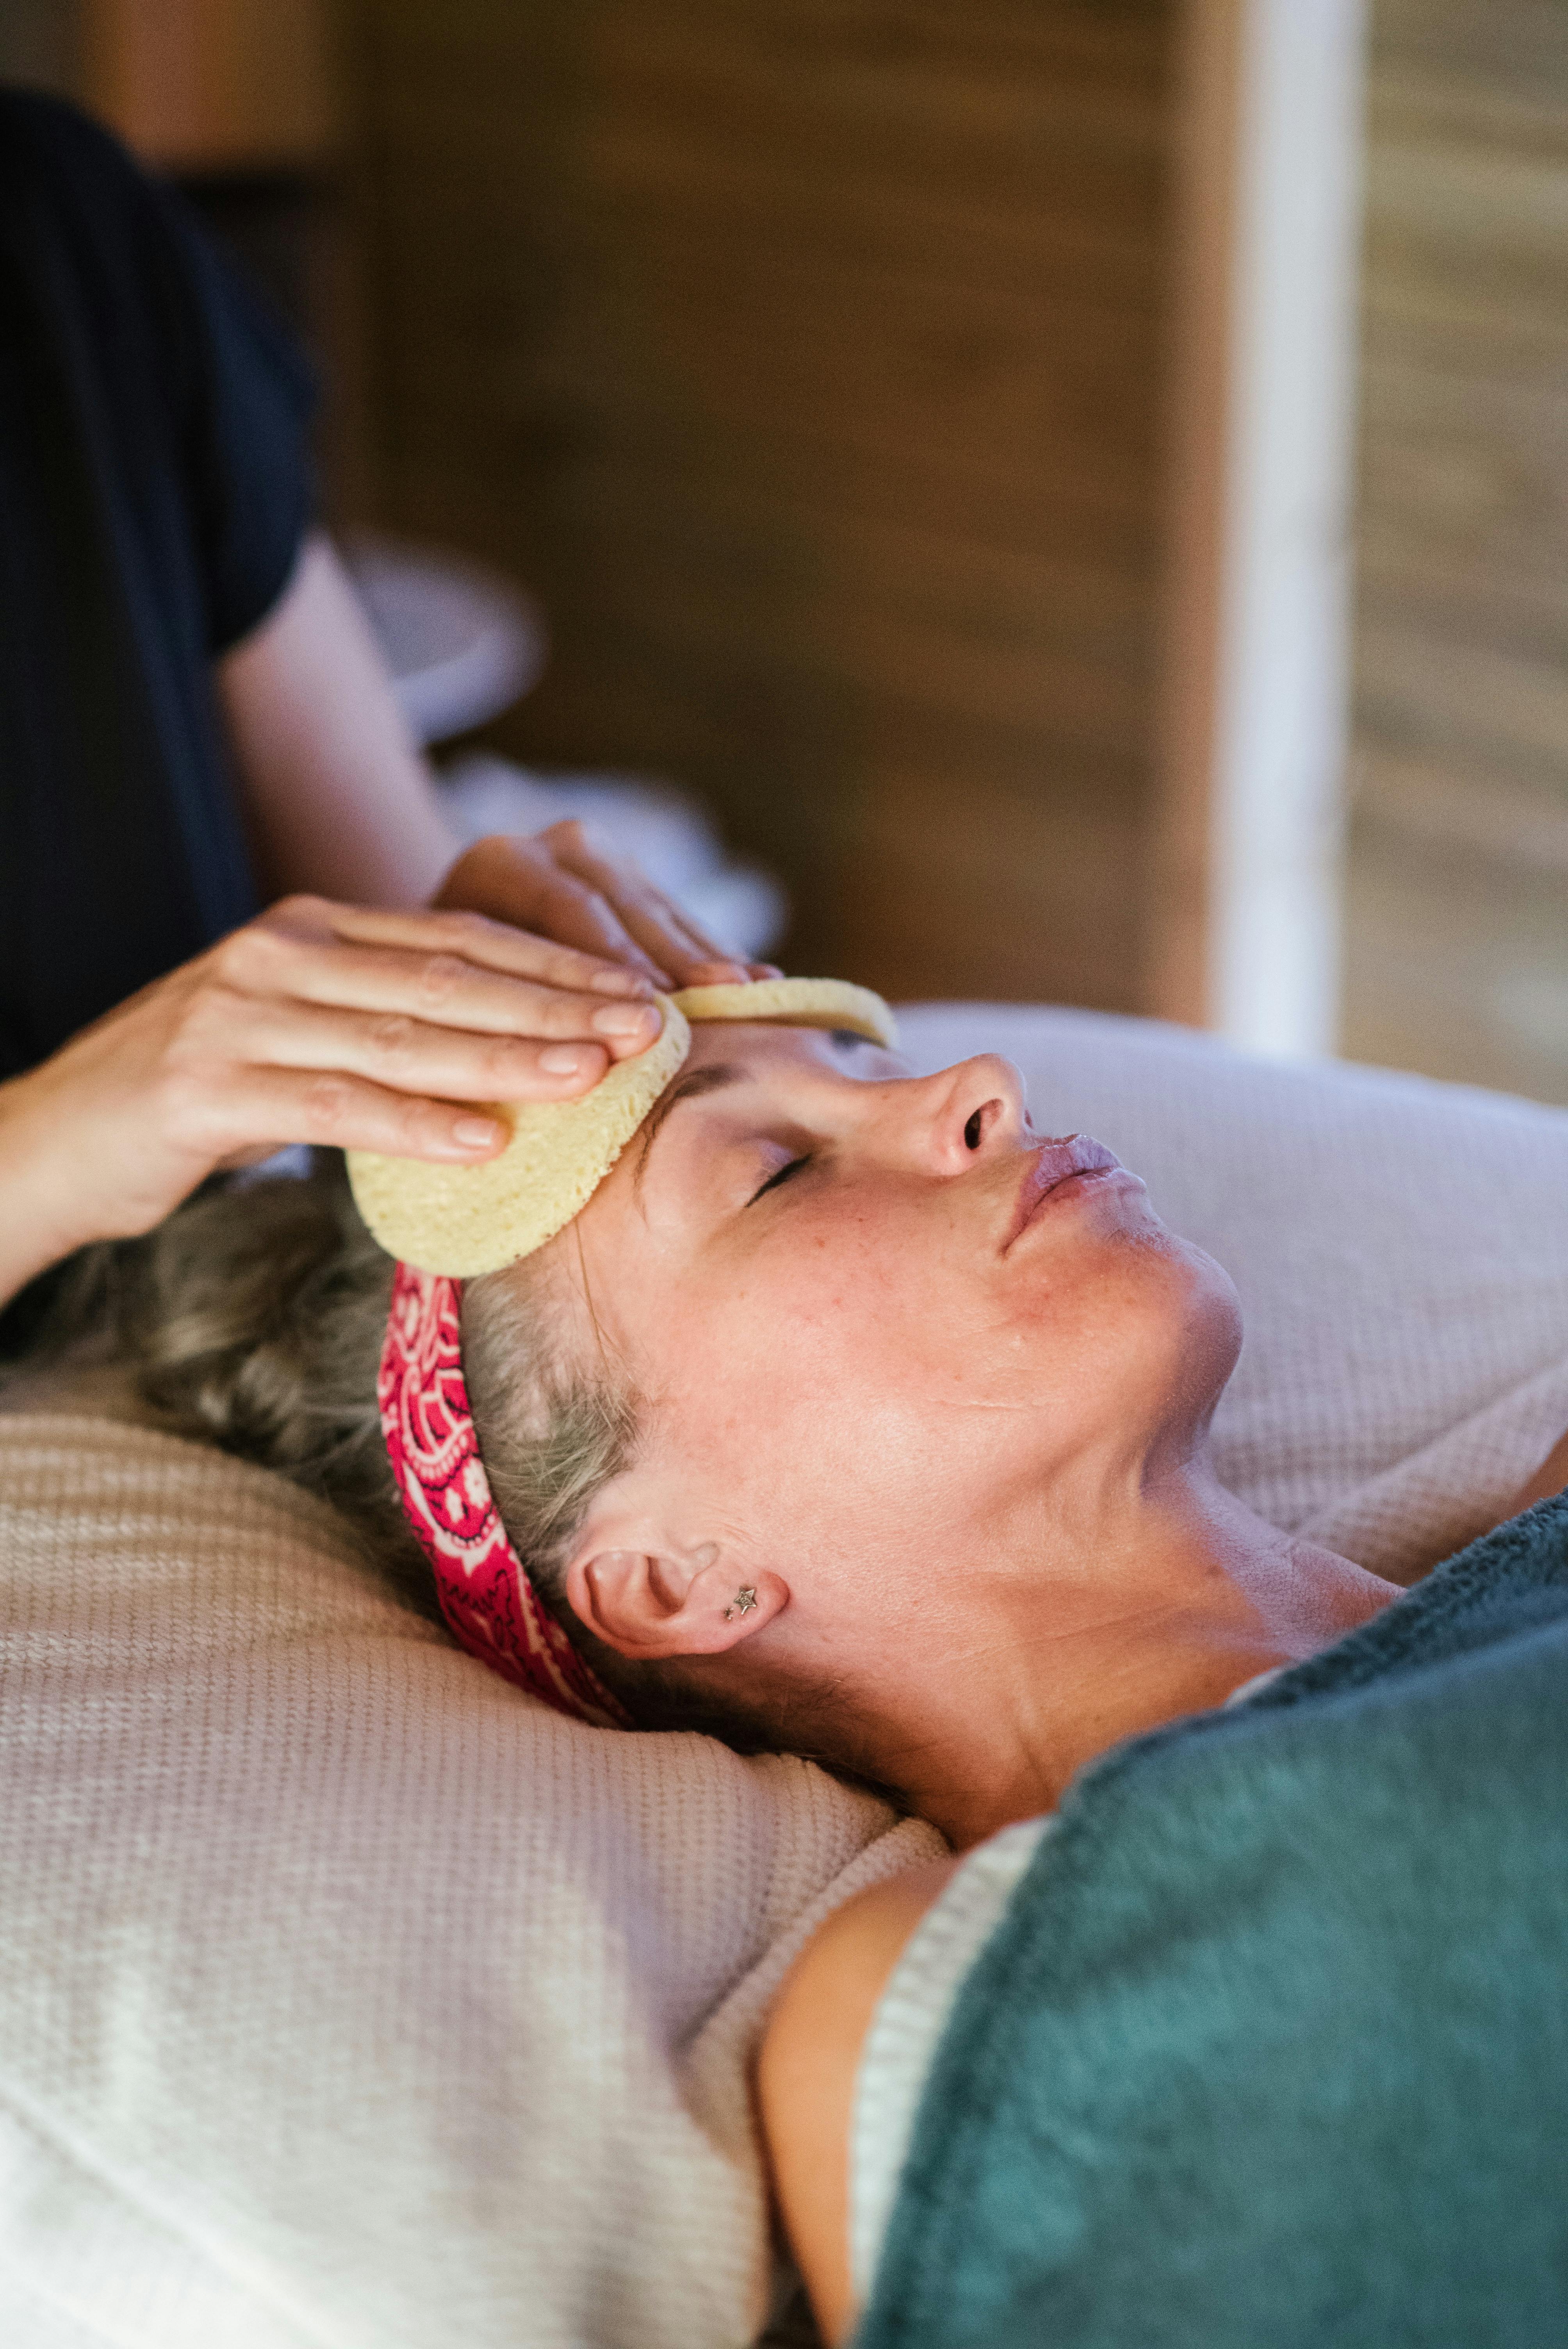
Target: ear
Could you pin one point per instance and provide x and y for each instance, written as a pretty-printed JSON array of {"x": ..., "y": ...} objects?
[{"x": 649, "y": 1604}]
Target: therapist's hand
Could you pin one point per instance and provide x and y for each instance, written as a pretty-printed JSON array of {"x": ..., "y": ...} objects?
[
  {"x": 568, "y": 884},
  {"x": 315, "y": 1023}
]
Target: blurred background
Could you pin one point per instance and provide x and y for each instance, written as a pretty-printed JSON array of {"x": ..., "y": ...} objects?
[{"x": 1055, "y": 499}]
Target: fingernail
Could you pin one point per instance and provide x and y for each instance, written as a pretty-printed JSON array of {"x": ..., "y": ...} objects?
[
  {"x": 620, "y": 982},
  {"x": 623, "y": 1019},
  {"x": 475, "y": 1133},
  {"x": 560, "y": 1060}
]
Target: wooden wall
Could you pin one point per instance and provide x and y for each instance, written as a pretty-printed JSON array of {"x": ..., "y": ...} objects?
[
  {"x": 1458, "y": 911},
  {"x": 804, "y": 357}
]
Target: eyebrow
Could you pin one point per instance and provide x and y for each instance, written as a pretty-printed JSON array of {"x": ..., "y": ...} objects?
[{"x": 695, "y": 1082}]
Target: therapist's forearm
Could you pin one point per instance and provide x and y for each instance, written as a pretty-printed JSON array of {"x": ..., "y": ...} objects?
[
  {"x": 338, "y": 799},
  {"x": 41, "y": 1218},
  {"x": 339, "y": 804}
]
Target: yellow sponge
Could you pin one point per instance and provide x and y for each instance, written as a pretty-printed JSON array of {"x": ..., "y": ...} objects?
[
  {"x": 796, "y": 1003},
  {"x": 466, "y": 1220}
]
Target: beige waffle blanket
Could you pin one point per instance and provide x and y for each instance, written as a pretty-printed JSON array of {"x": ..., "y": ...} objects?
[{"x": 346, "y": 1997}]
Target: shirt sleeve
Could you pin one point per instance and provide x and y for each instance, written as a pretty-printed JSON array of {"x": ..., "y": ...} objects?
[
  {"x": 246, "y": 396},
  {"x": 209, "y": 401}
]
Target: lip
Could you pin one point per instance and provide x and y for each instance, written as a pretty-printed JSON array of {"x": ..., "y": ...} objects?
[{"x": 1076, "y": 1159}]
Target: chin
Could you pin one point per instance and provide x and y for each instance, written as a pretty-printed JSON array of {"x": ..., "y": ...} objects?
[
  {"x": 1168, "y": 1323},
  {"x": 1210, "y": 1314}
]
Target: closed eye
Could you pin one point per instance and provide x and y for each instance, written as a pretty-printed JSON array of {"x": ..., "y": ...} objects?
[{"x": 781, "y": 1174}]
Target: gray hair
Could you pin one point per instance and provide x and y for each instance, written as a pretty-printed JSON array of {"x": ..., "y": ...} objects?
[
  {"x": 558, "y": 1420},
  {"x": 253, "y": 1319}
]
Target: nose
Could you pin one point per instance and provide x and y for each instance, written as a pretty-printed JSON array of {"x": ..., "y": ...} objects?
[{"x": 966, "y": 1114}]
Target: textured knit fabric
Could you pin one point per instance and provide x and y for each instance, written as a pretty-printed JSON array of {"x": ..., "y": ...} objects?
[
  {"x": 1271, "y": 2043},
  {"x": 154, "y": 487},
  {"x": 911, "y": 2016},
  {"x": 913, "y": 2012},
  {"x": 346, "y": 1995}
]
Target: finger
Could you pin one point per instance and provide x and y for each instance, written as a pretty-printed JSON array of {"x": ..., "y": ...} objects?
[
  {"x": 443, "y": 989},
  {"x": 567, "y": 906},
  {"x": 336, "y": 1110},
  {"x": 473, "y": 936},
  {"x": 591, "y": 962},
  {"x": 663, "y": 931},
  {"x": 518, "y": 880},
  {"x": 718, "y": 974},
  {"x": 661, "y": 925},
  {"x": 412, "y": 1056}
]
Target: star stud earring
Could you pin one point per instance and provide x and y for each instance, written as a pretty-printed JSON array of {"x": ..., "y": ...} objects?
[{"x": 743, "y": 1602}]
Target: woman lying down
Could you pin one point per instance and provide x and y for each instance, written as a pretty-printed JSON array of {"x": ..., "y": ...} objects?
[{"x": 773, "y": 1391}]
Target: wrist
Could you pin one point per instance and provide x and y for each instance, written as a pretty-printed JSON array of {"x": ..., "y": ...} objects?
[{"x": 43, "y": 1213}]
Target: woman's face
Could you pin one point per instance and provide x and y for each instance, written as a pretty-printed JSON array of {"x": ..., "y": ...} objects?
[{"x": 878, "y": 1323}]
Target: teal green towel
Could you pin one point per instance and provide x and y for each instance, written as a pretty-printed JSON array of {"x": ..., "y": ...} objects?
[{"x": 1270, "y": 2050}]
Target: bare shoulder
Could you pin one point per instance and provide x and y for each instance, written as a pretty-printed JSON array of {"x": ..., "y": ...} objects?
[
  {"x": 843, "y": 1969},
  {"x": 1549, "y": 1478},
  {"x": 806, "y": 2073}
]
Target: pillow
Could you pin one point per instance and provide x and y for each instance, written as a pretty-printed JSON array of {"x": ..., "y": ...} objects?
[
  {"x": 346, "y": 1995},
  {"x": 349, "y": 1996},
  {"x": 1400, "y": 1247}
]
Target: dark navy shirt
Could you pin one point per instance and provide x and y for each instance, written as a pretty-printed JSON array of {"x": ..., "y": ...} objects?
[{"x": 155, "y": 485}]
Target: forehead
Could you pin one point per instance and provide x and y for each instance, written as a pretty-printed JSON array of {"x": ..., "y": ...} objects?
[
  {"x": 603, "y": 1256},
  {"x": 755, "y": 1065}
]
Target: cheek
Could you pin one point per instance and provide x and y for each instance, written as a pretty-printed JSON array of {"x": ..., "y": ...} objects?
[
  {"x": 1135, "y": 1333},
  {"x": 862, "y": 1382},
  {"x": 848, "y": 1305},
  {"x": 845, "y": 1385}
]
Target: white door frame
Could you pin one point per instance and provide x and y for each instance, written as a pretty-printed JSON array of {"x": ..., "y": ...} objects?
[{"x": 1255, "y": 704}]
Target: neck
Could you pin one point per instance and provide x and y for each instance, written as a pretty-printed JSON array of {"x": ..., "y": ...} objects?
[{"x": 1160, "y": 1604}]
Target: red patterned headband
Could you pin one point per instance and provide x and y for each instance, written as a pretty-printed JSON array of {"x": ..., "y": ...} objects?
[{"x": 485, "y": 1595}]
